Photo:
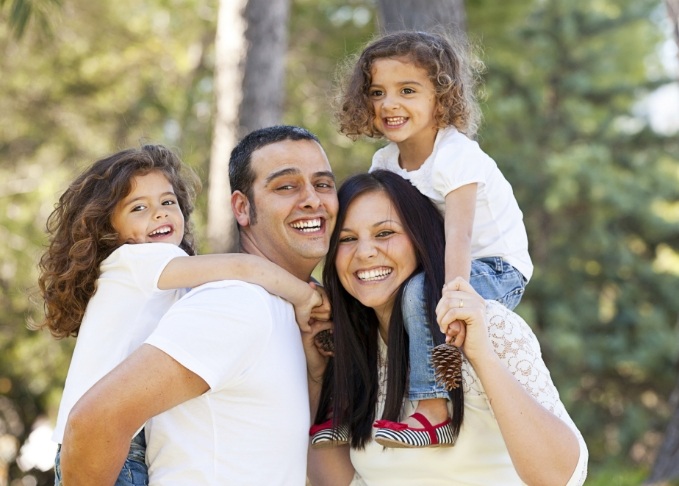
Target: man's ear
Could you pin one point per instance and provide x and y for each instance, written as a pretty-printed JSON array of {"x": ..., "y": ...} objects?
[{"x": 241, "y": 208}]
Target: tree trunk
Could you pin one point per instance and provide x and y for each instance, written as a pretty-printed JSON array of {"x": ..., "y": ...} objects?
[
  {"x": 666, "y": 466},
  {"x": 230, "y": 52},
  {"x": 249, "y": 89},
  {"x": 673, "y": 14},
  {"x": 419, "y": 15},
  {"x": 264, "y": 81}
]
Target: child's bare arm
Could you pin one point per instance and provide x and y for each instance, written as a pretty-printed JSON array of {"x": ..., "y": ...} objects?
[
  {"x": 459, "y": 221},
  {"x": 191, "y": 271}
]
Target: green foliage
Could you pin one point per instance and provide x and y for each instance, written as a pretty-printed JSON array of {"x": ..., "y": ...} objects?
[
  {"x": 100, "y": 79},
  {"x": 619, "y": 475},
  {"x": 21, "y": 12},
  {"x": 598, "y": 187},
  {"x": 599, "y": 193},
  {"x": 323, "y": 34}
]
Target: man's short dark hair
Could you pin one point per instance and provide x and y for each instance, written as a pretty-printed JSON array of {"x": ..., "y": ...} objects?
[{"x": 241, "y": 175}]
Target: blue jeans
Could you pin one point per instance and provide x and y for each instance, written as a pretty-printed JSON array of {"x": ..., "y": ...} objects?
[
  {"x": 492, "y": 278},
  {"x": 134, "y": 471}
]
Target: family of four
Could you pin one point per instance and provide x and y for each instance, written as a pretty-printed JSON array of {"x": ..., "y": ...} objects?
[{"x": 206, "y": 369}]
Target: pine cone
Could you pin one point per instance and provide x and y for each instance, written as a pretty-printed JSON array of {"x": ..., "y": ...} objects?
[
  {"x": 325, "y": 340},
  {"x": 447, "y": 361}
]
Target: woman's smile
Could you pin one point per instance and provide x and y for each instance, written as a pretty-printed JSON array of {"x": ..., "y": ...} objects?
[{"x": 375, "y": 254}]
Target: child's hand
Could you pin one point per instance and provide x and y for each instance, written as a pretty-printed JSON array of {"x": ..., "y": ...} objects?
[
  {"x": 304, "y": 309},
  {"x": 460, "y": 302},
  {"x": 456, "y": 330},
  {"x": 322, "y": 312},
  {"x": 316, "y": 356}
]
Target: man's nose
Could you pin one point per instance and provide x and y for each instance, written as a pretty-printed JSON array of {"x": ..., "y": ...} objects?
[{"x": 309, "y": 197}]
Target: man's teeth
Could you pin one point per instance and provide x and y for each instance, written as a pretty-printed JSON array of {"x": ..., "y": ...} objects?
[
  {"x": 375, "y": 274},
  {"x": 160, "y": 231},
  {"x": 308, "y": 226}
]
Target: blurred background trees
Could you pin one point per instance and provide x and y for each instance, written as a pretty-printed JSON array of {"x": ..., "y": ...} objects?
[{"x": 568, "y": 89}]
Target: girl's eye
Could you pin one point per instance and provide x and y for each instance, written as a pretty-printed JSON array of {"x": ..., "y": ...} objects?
[
  {"x": 285, "y": 187},
  {"x": 347, "y": 239},
  {"x": 138, "y": 207},
  {"x": 375, "y": 93},
  {"x": 169, "y": 202},
  {"x": 408, "y": 90},
  {"x": 385, "y": 233}
]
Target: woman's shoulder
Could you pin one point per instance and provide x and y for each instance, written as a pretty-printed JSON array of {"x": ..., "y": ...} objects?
[{"x": 509, "y": 332}]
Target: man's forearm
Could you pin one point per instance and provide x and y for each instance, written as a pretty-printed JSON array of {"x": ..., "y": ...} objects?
[{"x": 92, "y": 452}]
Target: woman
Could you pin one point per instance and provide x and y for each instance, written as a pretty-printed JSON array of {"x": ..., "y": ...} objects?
[{"x": 388, "y": 233}]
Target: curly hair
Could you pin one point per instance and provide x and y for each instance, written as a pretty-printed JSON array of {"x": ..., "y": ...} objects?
[
  {"x": 447, "y": 62},
  {"x": 81, "y": 235}
]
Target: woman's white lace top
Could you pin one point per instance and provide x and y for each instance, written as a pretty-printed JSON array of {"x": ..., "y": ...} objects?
[{"x": 479, "y": 456}]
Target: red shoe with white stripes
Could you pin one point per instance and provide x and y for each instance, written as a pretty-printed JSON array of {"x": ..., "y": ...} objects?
[
  {"x": 400, "y": 435},
  {"x": 325, "y": 435}
]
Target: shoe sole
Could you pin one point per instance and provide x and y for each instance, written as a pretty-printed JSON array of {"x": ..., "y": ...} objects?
[
  {"x": 402, "y": 445},
  {"x": 327, "y": 444}
]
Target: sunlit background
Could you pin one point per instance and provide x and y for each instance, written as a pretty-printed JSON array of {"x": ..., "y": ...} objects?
[{"x": 581, "y": 106}]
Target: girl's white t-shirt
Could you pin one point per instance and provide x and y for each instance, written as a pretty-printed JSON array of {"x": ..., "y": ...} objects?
[
  {"x": 122, "y": 313},
  {"x": 498, "y": 229}
]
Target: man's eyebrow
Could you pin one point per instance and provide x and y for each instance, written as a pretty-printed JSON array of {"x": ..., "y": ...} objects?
[
  {"x": 282, "y": 172},
  {"x": 296, "y": 171},
  {"x": 325, "y": 173}
]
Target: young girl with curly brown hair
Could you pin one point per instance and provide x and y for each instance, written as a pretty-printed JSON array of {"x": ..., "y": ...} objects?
[
  {"x": 416, "y": 90},
  {"x": 120, "y": 254}
]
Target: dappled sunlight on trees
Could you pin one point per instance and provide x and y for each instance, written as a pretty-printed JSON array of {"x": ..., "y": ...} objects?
[{"x": 599, "y": 188}]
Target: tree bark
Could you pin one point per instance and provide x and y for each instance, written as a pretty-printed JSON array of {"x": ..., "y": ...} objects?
[
  {"x": 230, "y": 52},
  {"x": 666, "y": 466},
  {"x": 264, "y": 80},
  {"x": 673, "y": 14},
  {"x": 249, "y": 88},
  {"x": 418, "y": 15}
]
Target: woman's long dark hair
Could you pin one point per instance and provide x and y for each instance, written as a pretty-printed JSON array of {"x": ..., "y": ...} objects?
[{"x": 351, "y": 382}]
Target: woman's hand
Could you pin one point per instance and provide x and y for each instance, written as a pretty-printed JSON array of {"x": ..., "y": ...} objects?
[{"x": 460, "y": 302}]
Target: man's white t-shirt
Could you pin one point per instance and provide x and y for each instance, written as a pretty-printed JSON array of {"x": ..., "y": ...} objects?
[
  {"x": 251, "y": 427},
  {"x": 125, "y": 308}
]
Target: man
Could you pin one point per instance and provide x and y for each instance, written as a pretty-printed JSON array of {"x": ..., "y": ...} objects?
[{"x": 226, "y": 367}]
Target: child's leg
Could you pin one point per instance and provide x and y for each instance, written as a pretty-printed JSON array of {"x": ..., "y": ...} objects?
[
  {"x": 429, "y": 425},
  {"x": 57, "y": 467},
  {"x": 495, "y": 279},
  {"x": 134, "y": 471},
  {"x": 423, "y": 387}
]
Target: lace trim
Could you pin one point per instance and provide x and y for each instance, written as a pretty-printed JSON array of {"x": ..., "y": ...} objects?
[{"x": 518, "y": 347}]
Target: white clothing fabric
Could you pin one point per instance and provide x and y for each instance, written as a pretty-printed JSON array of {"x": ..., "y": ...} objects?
[
  {"x": 251, "y": 427},
  {"x": 456, "y": 161},
  {"x": 121, "y": 314},
  {"x": 479, "y": 456}
]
